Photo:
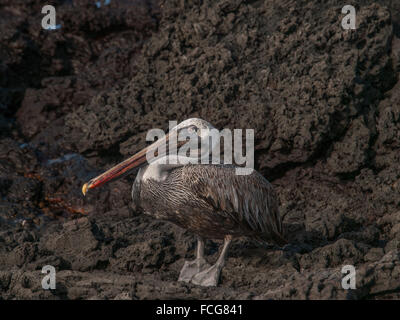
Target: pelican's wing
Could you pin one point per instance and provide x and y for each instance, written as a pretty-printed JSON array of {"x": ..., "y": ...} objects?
[{"x": 248, "y": 199}]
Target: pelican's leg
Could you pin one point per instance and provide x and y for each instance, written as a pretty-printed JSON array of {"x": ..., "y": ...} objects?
[
  {"x": 210, "y": 276},
  {"x": 191, "y": 268}
]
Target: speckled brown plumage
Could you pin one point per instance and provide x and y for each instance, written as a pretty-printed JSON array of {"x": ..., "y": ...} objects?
[{"x": 212, "y": 202}]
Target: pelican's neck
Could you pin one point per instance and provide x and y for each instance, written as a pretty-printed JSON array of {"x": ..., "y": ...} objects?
[{"x": 158, "y": 169}]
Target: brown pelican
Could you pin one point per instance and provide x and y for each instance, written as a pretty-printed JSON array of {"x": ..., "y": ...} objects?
[{"x": 209, "y": 200}]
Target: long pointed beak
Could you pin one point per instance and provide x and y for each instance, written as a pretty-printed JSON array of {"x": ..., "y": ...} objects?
[{"x": 157, "y": 149}]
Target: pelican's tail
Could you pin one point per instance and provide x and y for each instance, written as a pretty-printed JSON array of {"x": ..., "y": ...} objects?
[
  {"x": 279, "y": 239},
  {"x": 271, "y": 238}
]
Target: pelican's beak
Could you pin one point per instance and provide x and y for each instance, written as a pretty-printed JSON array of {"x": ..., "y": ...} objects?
[{"x": 158, "y": 148}]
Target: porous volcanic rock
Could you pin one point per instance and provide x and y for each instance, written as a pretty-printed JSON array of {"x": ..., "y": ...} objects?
[{"x": 324, "y": 103}]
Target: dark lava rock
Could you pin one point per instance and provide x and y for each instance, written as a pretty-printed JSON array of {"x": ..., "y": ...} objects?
[{"x": 324, "y": 103}]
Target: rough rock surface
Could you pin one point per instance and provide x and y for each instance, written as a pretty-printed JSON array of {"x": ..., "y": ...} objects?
[{"x": 324, "y": 103}]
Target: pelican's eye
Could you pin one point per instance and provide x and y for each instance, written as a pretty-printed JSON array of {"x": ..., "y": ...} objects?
[{"x": 192, "y": 129}]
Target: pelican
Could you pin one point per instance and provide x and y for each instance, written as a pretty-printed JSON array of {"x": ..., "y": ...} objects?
[{"x": 209, "y": 200}]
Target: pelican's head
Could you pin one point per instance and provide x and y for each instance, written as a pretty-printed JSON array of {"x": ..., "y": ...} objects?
[
  {"x": 200, "y": 127},
  {"x": 194, "y": 127}
]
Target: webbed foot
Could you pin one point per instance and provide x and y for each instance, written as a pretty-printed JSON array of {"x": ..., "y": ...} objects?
[
  {"x": 191, "y": 268},
  {"x": 208, "y": 277}
]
